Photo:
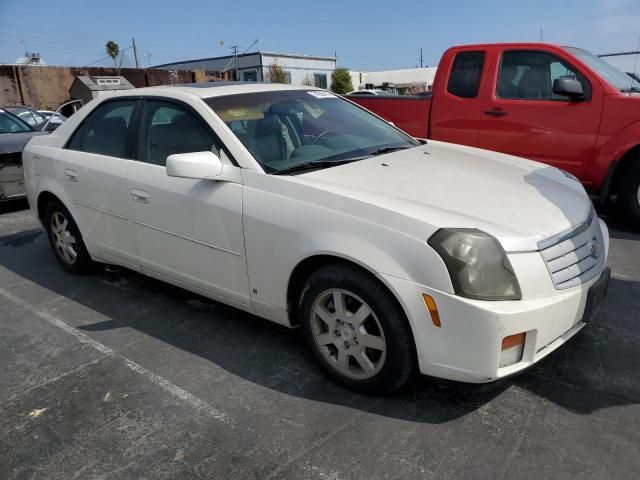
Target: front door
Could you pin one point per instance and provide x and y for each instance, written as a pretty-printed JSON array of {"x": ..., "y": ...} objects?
[
  {"x": 186, "y": 230},
  {"x": 524, "y": 117}
]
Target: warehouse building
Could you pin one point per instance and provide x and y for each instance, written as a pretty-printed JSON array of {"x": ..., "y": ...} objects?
[{"x": 252, "y": 67}]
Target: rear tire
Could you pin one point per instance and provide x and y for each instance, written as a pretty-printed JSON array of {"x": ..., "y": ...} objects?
[
  {"x": 629, "y": 196},
  {"x": 65, "y": 239},
  {"x": 356, "y": 329}
]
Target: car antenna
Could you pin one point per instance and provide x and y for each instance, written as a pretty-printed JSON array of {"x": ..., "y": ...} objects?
[{"x": 635, "y": 67}]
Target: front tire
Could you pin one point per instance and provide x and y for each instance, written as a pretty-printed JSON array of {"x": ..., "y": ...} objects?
[
  {"x": 356, "y": 329},
  {"x": 66, "y": 240},
  {"x": 630, "y": 194}
]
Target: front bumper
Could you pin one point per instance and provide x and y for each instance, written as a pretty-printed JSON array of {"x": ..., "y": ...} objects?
[{"x": 467, "y": 345}]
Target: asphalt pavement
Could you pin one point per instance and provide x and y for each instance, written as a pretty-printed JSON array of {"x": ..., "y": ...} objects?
[{"x": 114, "y": 375}]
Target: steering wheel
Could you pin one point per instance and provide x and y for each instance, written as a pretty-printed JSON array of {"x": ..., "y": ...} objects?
[{"x": 323, "y": 134}]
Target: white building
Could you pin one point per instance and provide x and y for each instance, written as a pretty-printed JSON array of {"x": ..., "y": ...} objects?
[
  {"x": 252, "y": 67},
  {"x": 30, "y": 59},
  {"x": 409, "y": 80}
]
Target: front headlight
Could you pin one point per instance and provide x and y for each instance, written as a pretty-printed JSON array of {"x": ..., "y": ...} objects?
[{"x": 477, "y": 264}]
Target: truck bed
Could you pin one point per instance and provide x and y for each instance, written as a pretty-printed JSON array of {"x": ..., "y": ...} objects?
[{"x": 407, "y": 112}]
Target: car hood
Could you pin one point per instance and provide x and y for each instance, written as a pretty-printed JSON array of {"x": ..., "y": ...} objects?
[
  {"x": 518, "y": 201},
  {"x": 15, "y": 142}
]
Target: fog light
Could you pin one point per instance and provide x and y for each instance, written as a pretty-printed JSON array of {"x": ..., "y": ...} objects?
[{"x": 512, "y": 349}]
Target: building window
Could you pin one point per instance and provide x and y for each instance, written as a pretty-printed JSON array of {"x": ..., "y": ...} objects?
[
  {"x": 320, "y": 80},
  {"x": 250, "y": 76}
]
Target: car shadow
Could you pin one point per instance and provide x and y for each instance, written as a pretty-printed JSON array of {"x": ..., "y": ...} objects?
[
  {"x": 594, "y": 371},
  {"x": 10, "y": 206}
]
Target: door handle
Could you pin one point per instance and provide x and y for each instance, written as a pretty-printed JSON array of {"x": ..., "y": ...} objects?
[
  {"x": 71, "y": 175},
  {"x": 496, "y": 112},
  {"x": 140, "y": 196}
]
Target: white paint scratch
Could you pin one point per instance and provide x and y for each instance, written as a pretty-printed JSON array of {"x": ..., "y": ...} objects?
[{"x": 37, "y": 412}]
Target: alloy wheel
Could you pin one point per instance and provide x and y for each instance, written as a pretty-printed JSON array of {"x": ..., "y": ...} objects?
[
  {"x": 348, "y": 334},
  {"x": 63, "y": 240}
]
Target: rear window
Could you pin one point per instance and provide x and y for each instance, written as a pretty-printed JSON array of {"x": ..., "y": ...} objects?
[{"x": 466, "y": 73}]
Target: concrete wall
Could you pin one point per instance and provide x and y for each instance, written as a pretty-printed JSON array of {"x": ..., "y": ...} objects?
[{"x": 48, "y": 87}]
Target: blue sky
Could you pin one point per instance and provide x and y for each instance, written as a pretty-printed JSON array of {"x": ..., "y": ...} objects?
[{"x": 366, "y": 35}]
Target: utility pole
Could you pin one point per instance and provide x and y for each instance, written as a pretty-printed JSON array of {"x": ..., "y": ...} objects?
[
  {"x": 420, "y": 57},
  {"x": 541, "y": 34},
  {"x": 235, "y": 57},
  {"x": 135, "y": 52}
]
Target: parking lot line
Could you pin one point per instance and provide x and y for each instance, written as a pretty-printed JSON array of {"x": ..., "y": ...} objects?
[{"x": 158, "y": 380}]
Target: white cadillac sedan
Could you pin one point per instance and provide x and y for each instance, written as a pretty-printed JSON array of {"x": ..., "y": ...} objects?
[{"x": 393, "y": 255}]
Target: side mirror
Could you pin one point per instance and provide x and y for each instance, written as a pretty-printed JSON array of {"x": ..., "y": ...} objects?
[
  {"x": 568, "y": 87},
  {"x": 198, "y": 165}
]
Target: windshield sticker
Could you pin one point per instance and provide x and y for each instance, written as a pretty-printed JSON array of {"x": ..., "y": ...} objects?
[{"x": 321, "y": 94}]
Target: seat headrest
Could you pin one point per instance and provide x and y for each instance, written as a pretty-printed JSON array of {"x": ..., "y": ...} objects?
[{"x": 269, "y": 125}]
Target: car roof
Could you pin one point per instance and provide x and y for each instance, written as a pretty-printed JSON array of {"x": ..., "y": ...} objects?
[{"x": 215, "y": 89}]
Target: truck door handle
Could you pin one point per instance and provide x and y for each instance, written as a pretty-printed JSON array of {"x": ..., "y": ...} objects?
[
  {"x": 496, "y": 112},
  {"x": 71, "y": 175},
  {"x": 140, "y": 196}
]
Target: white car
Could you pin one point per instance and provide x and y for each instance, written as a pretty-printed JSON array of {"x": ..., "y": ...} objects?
[
  {"x": 57, "y": 117},
  {"x": 394, "y": 255},
  {"x": 366, "y": 91}
]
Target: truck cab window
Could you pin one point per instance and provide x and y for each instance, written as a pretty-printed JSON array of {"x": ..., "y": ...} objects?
[
  {"x": 466, "y": 74},
  {"x": 526, "y": 75}
]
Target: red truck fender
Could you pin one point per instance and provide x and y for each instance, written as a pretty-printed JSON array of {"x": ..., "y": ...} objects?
[{"x": 613, "y": 158}]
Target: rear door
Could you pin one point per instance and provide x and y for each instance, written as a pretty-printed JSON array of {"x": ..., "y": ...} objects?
[
  {"x": 457, "y": 103},
  {"x": 522, "y": 116},
  {"x": 90, "y": 170},
  {"x": 185, "y": 229}
]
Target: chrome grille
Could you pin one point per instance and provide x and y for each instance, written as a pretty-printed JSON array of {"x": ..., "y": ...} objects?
[{"x": 570, "y": 256}]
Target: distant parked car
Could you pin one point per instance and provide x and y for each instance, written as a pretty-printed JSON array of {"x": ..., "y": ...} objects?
[
  {"x": 34, "y": 118},
  {"x": 14, "y": 134},
  {"x": 369, "y": 92},
  {"x": 57, "y": 117}
]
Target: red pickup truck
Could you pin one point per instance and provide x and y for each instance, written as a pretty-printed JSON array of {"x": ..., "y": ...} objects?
[{"x": 558, "y": 105}]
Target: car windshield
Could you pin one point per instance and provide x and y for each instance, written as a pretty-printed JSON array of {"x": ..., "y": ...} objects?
[
  {"x": 10, "y": 124},
  {"x": 611, "y": 74},
  {"x": 25, "y": 114},
  {"x": 292, "y": 130}
]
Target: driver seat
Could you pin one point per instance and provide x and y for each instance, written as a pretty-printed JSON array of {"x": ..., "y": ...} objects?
[{"x": 272, "y": 141}]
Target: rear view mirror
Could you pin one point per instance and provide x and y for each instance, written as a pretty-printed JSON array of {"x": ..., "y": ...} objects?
[
  {"x": 568, "y": 87},
  {"x": 198, "y": 165}
]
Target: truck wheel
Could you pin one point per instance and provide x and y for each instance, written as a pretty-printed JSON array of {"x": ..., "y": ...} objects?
[
  {"x": 356, "y": 329},
  {"x": 630, "y": 194},
  {"x": 65, "y": 239}
]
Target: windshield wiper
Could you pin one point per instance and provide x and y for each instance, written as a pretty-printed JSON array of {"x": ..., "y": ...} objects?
[
  {"x": 630, "y": 90},
  {"x": 383, "y": 150},
  {"x": 313, "y": 165}
]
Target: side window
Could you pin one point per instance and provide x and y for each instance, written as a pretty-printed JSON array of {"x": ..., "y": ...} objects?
[
  {"x": 466, "y": 74},
  {"x": 169, "y": 128},
  {"x": 526, "y": 75},
  {"x": 105, "y": 130}
]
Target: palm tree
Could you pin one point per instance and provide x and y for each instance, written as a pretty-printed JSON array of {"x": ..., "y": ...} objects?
[{"x": 113, "y": 50}]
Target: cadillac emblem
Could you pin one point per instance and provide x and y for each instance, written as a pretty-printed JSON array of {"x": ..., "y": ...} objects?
[{"x": 594, "y": 246}]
